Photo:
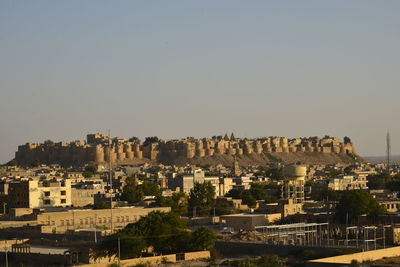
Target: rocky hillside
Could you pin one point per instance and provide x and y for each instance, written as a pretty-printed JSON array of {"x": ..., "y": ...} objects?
[{"x": 265, "y": 158}]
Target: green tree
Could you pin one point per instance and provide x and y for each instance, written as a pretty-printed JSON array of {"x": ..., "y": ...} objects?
[
  {"x": 348, "y": 170},
  {"x": 48, "y": 142},
  {"x": 203, "y": 239},
  {"x": 36, "y": 163},
  {"x": 89, "y": 171},
  {"x": 150, "y": 188},
  {"x": 201, "y": 197},
  {"x": 178, "y": 202},
  {"x": 271, "y": 260},
  {"x": 151, "y": 139},
  {"x": 131, "y": 245},
  {"x": 346, "y": 140},
  {"x": 131, "y": 191},
  {"x": 378, "y": 181},
  {"x": 257, "y": 190},
  {"x": 354, "y": 203},
  {"x": 274, "y": 173},
  {"x": 354, "y": 263},
  {"x": 234, "y": 193},
  {"x": 331, "y": 172},
  {"x": 248, "y": 199},
  {"x": 154, "y": 169},
  {"x": 329, "y": 194},
  {"x": 223, "y": 207},
  {"x": 102, "y": 205},
  {"x": 12, "y": 162},
  {"x": 134, "y": 139},
  {"x": 161, "y": 230},
  {"x": 166, "y": 233}
]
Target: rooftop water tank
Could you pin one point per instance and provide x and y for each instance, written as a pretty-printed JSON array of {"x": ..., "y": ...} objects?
[{"x": 294, "y": 172}]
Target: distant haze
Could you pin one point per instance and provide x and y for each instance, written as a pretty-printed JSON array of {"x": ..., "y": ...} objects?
[
  {"x": 382, "y": 159},
  {"x": 199, "y": 68}
]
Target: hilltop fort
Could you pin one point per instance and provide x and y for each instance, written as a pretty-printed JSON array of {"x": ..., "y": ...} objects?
[{"x": 99, "y": 149}]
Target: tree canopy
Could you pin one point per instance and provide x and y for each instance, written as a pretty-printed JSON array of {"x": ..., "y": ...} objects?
[
  {"x": 134, "y": 192},
  {"x": 149, "y": 140},
  {"x": 354, "y": 203},
  {"x": 347, "y": 140},
  {"x": 12, "y": 162},
  {"x": 166, "y": 233},
  {"x": 131, "y": 191},
  {"x": 384, "y": 181},
  {"x": 250, "y": 196},
  {"x": 134, "y": 139},
  {"x": 201, "y": 198},
  {"x": 328, "y": 194},
  {"x": 89, "y": 171},
  {"x": 178, "y": 202},
  {"x": 102, "y": 205}
]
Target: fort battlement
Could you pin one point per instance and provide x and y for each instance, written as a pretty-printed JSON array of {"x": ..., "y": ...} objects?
[{"x": 99, "y": 148}]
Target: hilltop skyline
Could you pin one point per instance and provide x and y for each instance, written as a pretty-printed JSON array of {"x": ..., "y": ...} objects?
[{"x": 181, "y": 68}]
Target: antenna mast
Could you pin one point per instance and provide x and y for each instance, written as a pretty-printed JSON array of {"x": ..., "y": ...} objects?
[
  {"x": 110, "y": 178},
  {"x": 388, "y": 152}
]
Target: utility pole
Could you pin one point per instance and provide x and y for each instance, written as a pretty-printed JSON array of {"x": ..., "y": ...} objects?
[
  {"x": 110, "y": 178},
  {"x": 5, "y": 252},
  {"x": 388, "y": 152},
  {"x": 95, "y": 228},
  {"x": 119, "y": 251},
  {"x": 347, "y": 230}
]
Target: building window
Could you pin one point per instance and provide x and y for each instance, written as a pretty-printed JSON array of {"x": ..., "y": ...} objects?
[
  {"x": 47, "y": 201},
  {"x": 63, "y": 193},
  {"x": 46, "y": 194},
  {"x": 63, "y": 201}
]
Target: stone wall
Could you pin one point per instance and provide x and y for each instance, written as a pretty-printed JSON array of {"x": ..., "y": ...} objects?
[
  {"x": 102, "y": 149},
  {"x": 342, "y": 260},
  {"x": 153, "y": 261}
]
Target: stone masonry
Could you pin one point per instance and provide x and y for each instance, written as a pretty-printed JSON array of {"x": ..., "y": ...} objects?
[{"x": 99, "y": 148}]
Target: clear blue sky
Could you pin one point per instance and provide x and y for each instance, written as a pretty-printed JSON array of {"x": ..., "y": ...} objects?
[{"x": 199, "y": 68}]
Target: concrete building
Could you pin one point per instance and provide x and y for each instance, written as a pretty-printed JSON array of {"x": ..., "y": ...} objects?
[
  {"x": 61, "y": 221},
  {"x": 293, "y": 187},
  {"x": 82, "y": 194},
  {"x": 225, "y": 185},
  {"x": 248, "y": 222},
  {"x": 31, "y": 193},
  {"x": 185, "y": 182},
  {"x": 348, "y": 182}
]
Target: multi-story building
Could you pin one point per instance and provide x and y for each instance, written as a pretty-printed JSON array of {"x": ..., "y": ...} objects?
[
  {"x": 30, "y": 193},
  {"x": 62, "y": 221},
  {"x": 82, "y": 194},
  {"x": 348, "y": 182}
]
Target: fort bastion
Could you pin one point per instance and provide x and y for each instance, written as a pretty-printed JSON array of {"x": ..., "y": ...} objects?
[{"x": 99, "y": 148}]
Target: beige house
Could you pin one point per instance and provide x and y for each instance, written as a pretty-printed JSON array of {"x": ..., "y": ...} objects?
[
  {"x": 61, "y": 221},
  {"x": 31, "y": 193}
]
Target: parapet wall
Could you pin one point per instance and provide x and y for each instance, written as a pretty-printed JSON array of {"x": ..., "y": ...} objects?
[{"x": 100, "y": 149}]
